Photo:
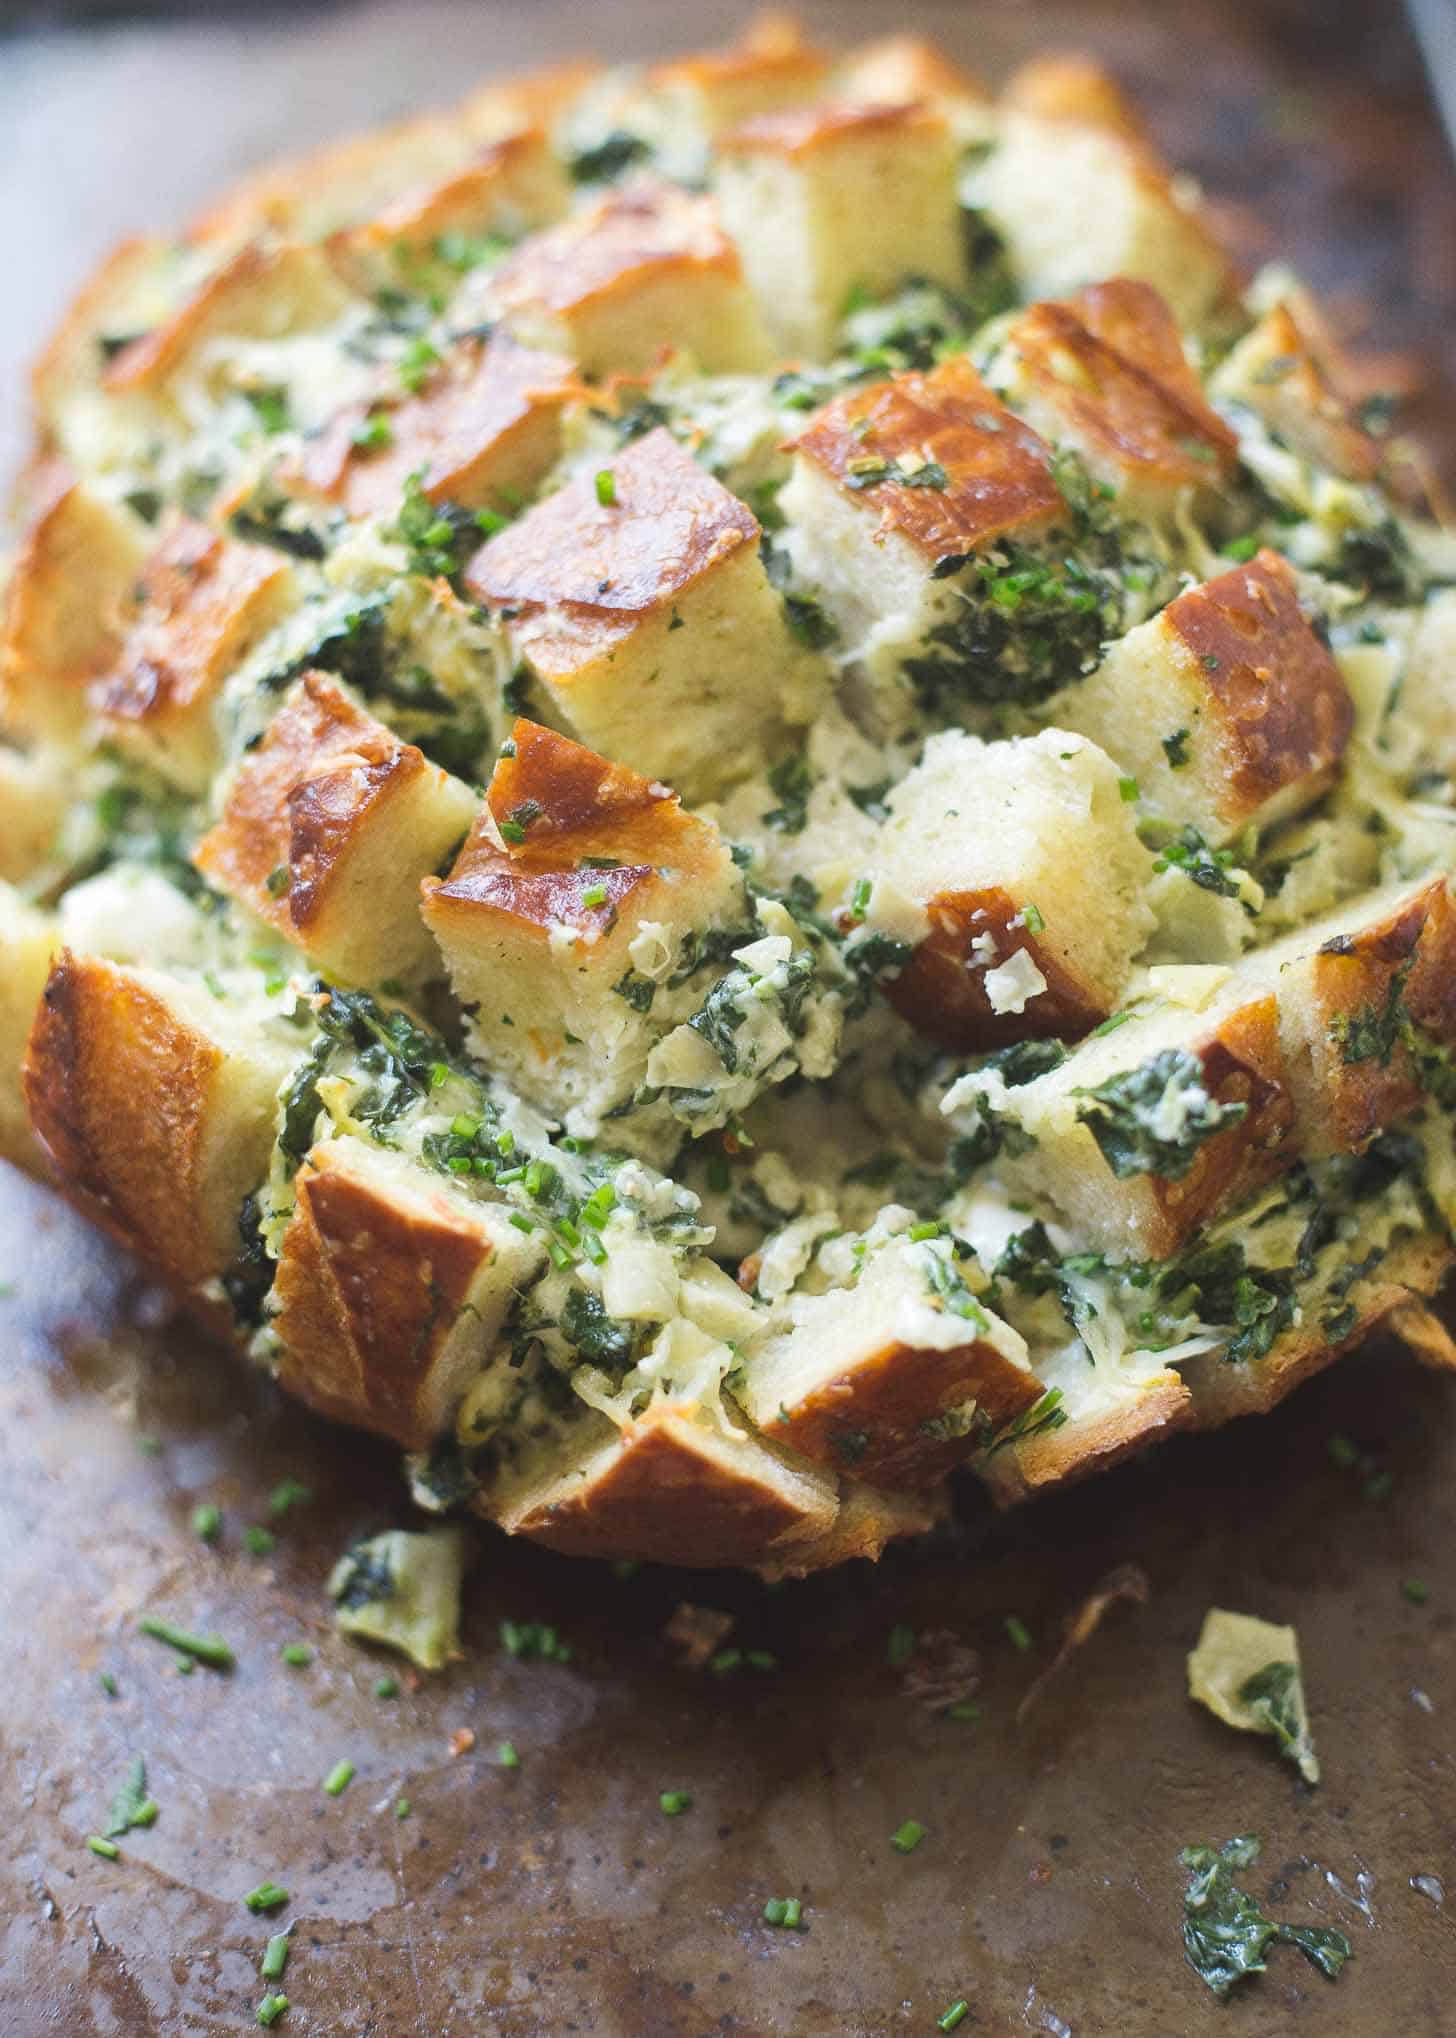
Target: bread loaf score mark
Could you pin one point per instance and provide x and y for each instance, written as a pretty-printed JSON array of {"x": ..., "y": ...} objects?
[{"x": 722, "y": 789}]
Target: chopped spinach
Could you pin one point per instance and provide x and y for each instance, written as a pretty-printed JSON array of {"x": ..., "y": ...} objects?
[
  {"x": 1274, "y": 1697},
  {"x": 1155, "y": 1118},
  {"x": 605, "y": 160},
  {"x": 599, "y": 1338},
  {"x": 1225, "y": 1932}
]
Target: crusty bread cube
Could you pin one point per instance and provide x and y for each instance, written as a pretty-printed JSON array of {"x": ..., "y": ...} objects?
[
  {"x": 897, "y": 1378},
  {"x": 37, "y": 788},
  {"x": 1147, "y": 1130},
  {"x": 772, "y": 67},
  {"x": 155, "y": 1102},
  {"x": 327, "y": 830},
  {"x": 260, "y": 293},
  {"x": 866, "y": 1522},
  {"x": 1349, "y": 985},
  {"x": 895, "y": 70},
  {"x": 1105, "y": 374},
  {"x": 836, "y": 197},
  {"x": 1025, "y": 856},
  {"x": 510, "y": 186},
  {"x": 202, "y": 601},
  {"x": 1289, "y": 375},
  {"x": 68, "y": 588},
  {"x": 1117, "y": 1424},
  {"x": 640, "y": 604},
  {"x": 573, "y": 900},
  {"x": 646, "y": 270},
  {"x": 894, "y": 484},
  {"x": 672, "y": 1487},
  {"x": 1227, "y": 707},
  {"x": 27, "y": 944},
  {"x": 132, "y": 291},
  {"x": 392, "y": 1287},
  {"x": 481, "y": 432},
  {"x": 1076, "y": 204},
  {"x": 1069, "y": 85}
]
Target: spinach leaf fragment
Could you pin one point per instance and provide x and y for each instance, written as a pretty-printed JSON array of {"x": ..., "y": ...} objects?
[{"x": 1226, "y": 1934}]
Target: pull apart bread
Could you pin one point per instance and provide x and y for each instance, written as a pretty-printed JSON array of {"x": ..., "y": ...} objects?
[{"x": 725, "y": 785}]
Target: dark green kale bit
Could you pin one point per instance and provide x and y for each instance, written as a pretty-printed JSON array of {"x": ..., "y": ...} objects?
[
  {"x": 1275, "y": 1698},
  {"x": 1153, "y": 1119},
  {"x": 792, "y": 782},
  {"x": 599, "y": 1338},
  {"x": 1032, "y": 623},
  {"x": 1374, "y": 1032},
  {"x": 605, "y": 160},
  {"x": 1225, "y": 1933},
  {"x": 1189, "y": 852},
  {"x": 1039, "y": 1420},
  {"x": 438, "y": 536}
]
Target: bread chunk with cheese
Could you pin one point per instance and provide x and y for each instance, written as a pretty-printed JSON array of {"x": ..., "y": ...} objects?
[
  {"x": 582, "y": 891},
  {"x": 646, "y": 271},
  {"x": 1025, "y": 857},
  {"x": 201, "y": 602},
  {"x": 1105, "y": 374},
  {"x": 28, "y": 941},
  {"x": 327, "y": 830},
  {"x": 770, "y": 68},
  {"x": 155, "y": 1103},
  {"x": 671, "y": 1487},
  {"x": 895, "y": 485},
  {"x": 1227, "y": 707},
  {"x": 391, "y": 1290},
  {"x": 1146, "y": 1131},
  {"x": 1116, "y": 1422},
  {"x": 1287, "y": 372},
  {"x": 638, "y": 600},
  {"x": 895, "y": 1379},
  {"x": 68, "y": 590},
  {"x": 1367, "y": 1005},
  {"x": 482, "y": 432},
  {"x": 1076, "y": 204},
  {"x": 837, "y": 197}
]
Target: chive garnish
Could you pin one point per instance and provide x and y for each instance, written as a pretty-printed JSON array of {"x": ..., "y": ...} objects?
[
  {"x": 1018, "y": 1633},
  {"x": 606, "y": 485},
  {"x": 506, "y": 1755},
  {"x": 207, "y": 1521},
  {"x": 288, "y": 1494},
  {"x": 386, "y": 1687},
  {"x": 402, "y": 1808},
  {"x": 271, "y": 2009},
  {"x": 266, "y": 1897},
  {"x": 258, "y": 1542},
  {"x": 297, "y": 1655},
  {"x": 275, "y": 1956},
  {"x": 907, "y": 1837},
  {"x": 107, "y": 1849},
  {"x": 673, "y": 1803},
  {"x": 209, "y": 1649},
  {"x": 787, "y": 1912},
  {"x": 959, "y": 2010},
  {"x": 339, "y": 1778}
]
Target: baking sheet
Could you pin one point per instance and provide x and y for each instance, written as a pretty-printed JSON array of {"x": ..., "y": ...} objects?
[{"x": 557, "y": 1897}]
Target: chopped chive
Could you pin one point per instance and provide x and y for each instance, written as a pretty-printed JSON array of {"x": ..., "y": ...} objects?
[
  {"x": 207, "y": 1521},
  {"x": 606, "y": 487},
  {"x": 1128, "y": 789},
  {"x": 373, "y": 434},
  {"x": 107, "y": 1683},
  {"x": 275, "y": 1956},
  {"x": 107, "y": 1849},
  {"x": 1111, "y": 1024},
  {"x": 209, "y": 1649},
  {"x": 724, "y": 1661},
  {"x": 521, "y": 1221},
  {"x": 402, "y": 1808},
  {"x": 672, "y": 1803},
  {"x": 786, "y": 1912},
  {"x": 930, "y": 1229},
  {"x": 594, "y": 895},
  {"x": 1018, "y": 1633},
  {"x": 149, "y": 1446},
  {"x": 1378, "y": 1486},
  {"x": 386, "y": 1687},
  {"x": 859, "y": 898},
  {"x": 506, "y": 1755},
  {"x": 287, "y": 1495},
  {"x": 277, "y": 881},
  {"x": 271, "y": 2009},
  {"x": 266, "y": 1897},
  {"x": 339, "y": 1778},
  {"x": 959, "y": 2010},
  {"x": 1032, "y": 919},
  {"x": 1416, "y": 1590},
  {"x": 901, "y": 1645},
  {"x": 965, "y": 1709},
  {"x": 512, "y": 831},
  {"x": 297, "y": 1655},
  {"x": 760, "y": 1659},
  {"x": 1344, "y": 1453},
  {"x": 258, "y": 1542},
  {"x": 907, "y": 1837}
]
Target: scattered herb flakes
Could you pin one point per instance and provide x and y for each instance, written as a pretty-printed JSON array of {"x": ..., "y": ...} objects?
[
  {"x": 209, "y": 1649},
  {"x": 955, "y": 2014},
  {"x": 268, "y": 1896},
  {"x": 339, "y": 1778},
  {"x": 386, "y": 1687},
  {"x": 1343, "y": 1452},
  {"x": 107, "y": 1849},
  {"x": 506, "y": 1756},
  {"x": 1018, "y": 1633},
  {"x": 534, "y": 1641},
  {"x": 606, "y": 487},
  {"x": 785, "y": 1912},
  {"x": 901, "y": 1646},
  {"x": 907, "y": 1836},
  {"x": 297, "y": 1655},
  {"x": 1246, "y": 1671},
  {"x": 287, "y": 1495},
  {"x": 207, "y": 1521},
  {"x": 673, "y": 1803},
  {"x": 275, "y": 1956},
  {"x": 402, "y": 1808},
  {"x": 107, "y": 1683},
  {"x": 1225, "y": 1933},
  {"x": 1416, "y": 1590},
  {"x": 258, "y": 1542},
  {"x": 271, "y": 2009},
  {"x": 131, "y": 1806}
]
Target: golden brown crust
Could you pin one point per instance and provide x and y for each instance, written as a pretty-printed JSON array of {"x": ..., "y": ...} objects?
[
  {"x": 878, "y": 1416},
  {"x": 63, "y": 608},
  {"x": 576, "y": 807},
  {"x": 1081, "y": 1447},
  {"x": 1069, "y": 85},
  {"x": 372, "y": 1280},
  {"x": 601, "y": 568},
  {"x": 646, "y": 230},
  {"x": 482, "y": 431},
  {"x": 73, "y": 358},
  {"x": 1298, "y": 389},
  {"x": 672, "y": 1490},
  {"x": 258, "y": 292},
  {"x": 1285, "y": 715},
  {"x": 944, "y": 997},
  {"x": 1109, "y": 363},
  {"x": 866, "y": 1523},
  {"x": 897, "y": 68},
  {"x": 772, "y": 64},
  {"x": 804, "y": 131},
  {"x": 474, "y": 198},
  {"x": 998, "y": 472},
  {"x": 202, "y": 601},
  {"x": 126, "y": 1096}
]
